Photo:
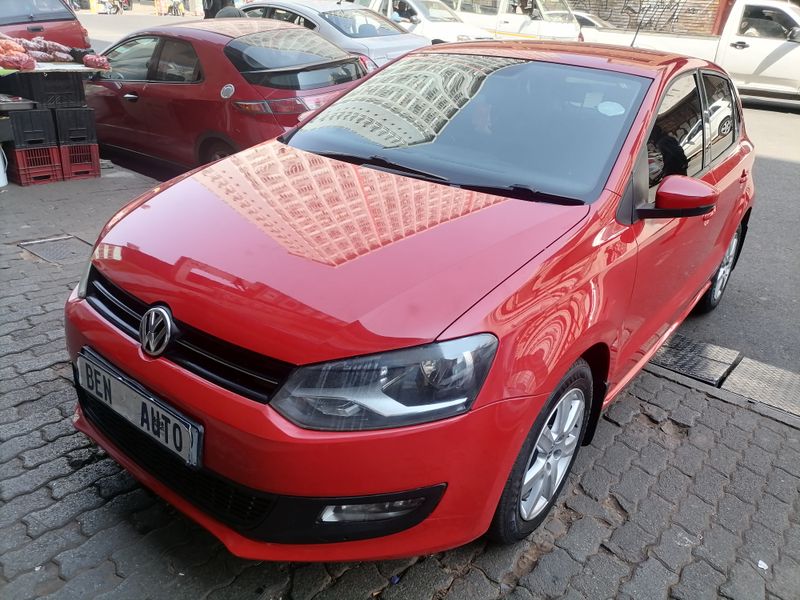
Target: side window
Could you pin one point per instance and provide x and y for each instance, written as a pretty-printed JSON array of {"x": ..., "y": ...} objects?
[
  {"x": 178, "y": 63},
  {"x": 286, "y": 15},
  {"x": 384, "y": 9},
  {"x": 675, "y": 146},
  {"x": 721, "y": 114},
  {"x": 766, "y": 22},
  {"x": 451, "y": 3},
  {"x": 256, "y": 13},
  {"x": 131, "y": 61},
  {"x": 480, "y": 7}
]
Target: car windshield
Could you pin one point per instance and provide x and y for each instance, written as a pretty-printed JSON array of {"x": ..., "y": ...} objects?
[
  {"x": 555, "y": 10},
  {"x": 484, "y": 122},
  {"x": 361, "y": 23},
  {"x": 293, "y": 58},
  {"x": 435, "y": 11},
  {"x": 26, "y": 11}
]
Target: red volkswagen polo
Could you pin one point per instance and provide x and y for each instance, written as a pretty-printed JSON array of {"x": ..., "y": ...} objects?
[{"x": 390, "y": 331}]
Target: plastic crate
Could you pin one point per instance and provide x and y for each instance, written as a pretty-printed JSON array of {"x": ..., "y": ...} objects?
[
  {"x": 48, "y": 90},
  {"x": 75, "y": 125},
  {"x": 32, "y": 128},
  {"x": 80, "y": 161},
  {"x": 35, "y": 165}
]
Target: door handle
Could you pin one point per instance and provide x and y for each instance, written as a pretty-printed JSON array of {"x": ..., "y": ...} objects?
[
  {"x": 131, "y": 97},
  {"x": 35, "y": 28},
  {"x": 743, "y": 177},
  {"x": 505, "y": 22},
  {"x": 740, "y": 45}
]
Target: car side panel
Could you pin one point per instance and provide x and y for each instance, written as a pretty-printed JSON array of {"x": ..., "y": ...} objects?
[{"x": 70, "y": 33}]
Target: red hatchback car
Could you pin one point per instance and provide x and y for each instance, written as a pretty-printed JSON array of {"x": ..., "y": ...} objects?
[
  {"x": 52, "y": 19},
  {"x": 390, "y": 331},
  {"x": 192, "y": 93}
]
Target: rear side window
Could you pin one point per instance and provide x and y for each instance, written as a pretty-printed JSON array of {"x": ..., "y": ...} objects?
[
  {"x": 675, "y": 146},
  {"x": 297, "y": 59},
  {"x": 721, "y": 114},
  {"x": 361, "y": 23},
  {"x": 282, "y": 14},
  {"x": 178, "y": 63},
  {"x": 26, "y": 11}
]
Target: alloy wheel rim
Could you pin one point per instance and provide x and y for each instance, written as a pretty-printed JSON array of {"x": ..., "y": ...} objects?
[
  {"x": 725, "y": 268},
  {"x": 552, "y": 454},
  {"x": 725, "y": 127}
]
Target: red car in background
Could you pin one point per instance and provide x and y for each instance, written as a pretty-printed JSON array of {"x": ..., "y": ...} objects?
[
  {"x": 191, "y": 93},
  {"x": 390, "y": 331},
  {"x": 51, "y": 19}
]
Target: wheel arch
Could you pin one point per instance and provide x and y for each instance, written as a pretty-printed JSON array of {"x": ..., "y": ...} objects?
[
  {"x": 598, "y": 358},
  {"x": 207, "y": 138},
  {"x": 744, "y": 223}
]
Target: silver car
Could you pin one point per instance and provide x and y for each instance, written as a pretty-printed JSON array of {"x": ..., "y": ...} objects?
[{"x": 354, "y": 28}]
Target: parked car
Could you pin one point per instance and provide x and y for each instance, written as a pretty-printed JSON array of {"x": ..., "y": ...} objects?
[
  {"x": 349, "y": 26},
  {"x": 520, "y": 19},
  {"x": 52, "y": 19},
  {"x": 192, "y": 93},
  {"x": 759, "y": 47},
  {"x": 586, "y": 19},
  {"x": 431, "y": 18},
  {"x": 390, "y": 331}
]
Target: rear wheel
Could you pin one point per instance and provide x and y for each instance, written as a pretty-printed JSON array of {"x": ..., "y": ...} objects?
[
  {"x": 545, "y": 459},
  {"x": 719, "y": 281},
  {"x": 215, "y": 150}
]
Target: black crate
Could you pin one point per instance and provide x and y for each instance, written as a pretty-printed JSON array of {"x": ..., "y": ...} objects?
[
  {"x": 48, "y": 90},
  {"x": 32, "y": 128},
  {"x": 75, "y": 125}
]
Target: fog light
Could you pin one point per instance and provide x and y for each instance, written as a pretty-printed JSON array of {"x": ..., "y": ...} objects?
[{"x": 341, "y": 513}]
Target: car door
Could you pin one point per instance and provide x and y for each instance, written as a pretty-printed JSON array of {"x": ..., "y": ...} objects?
[
  {"x": 759, "y": 55},
  {"x": 482, "y": 13},
  {"x": 671, "y": 253},
  {"x": 515, "y": 16},
  {"x": 729, "y": 160},
  {"x": 176, "y": 102},
  {"x": 114, "y": 94}
]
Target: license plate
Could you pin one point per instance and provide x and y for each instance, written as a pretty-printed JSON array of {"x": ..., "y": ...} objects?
[{"x": 159, "y": 421}]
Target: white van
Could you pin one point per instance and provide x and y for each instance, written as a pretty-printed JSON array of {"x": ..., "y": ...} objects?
[
  {"x": 430, "y": 18},
  {"x": 516, "y": 19}
]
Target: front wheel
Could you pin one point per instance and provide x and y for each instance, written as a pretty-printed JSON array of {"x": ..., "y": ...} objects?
[
  {"x": 545, "y": 459},
  {"x": 719, "y": 281},
  {"x": 216, "y": 150}
]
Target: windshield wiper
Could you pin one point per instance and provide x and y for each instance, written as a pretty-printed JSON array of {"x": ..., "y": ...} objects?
[
  {"x": 524, "y": 192},
  {"x": 383, "y": 163}
]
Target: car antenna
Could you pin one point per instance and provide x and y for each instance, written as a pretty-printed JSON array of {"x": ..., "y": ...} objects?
[{"x": 638, "y": 24}]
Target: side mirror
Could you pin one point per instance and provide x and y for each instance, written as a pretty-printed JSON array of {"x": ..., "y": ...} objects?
[
  {"x": 681, "y": 196},
  {"x": 794, "y": 35},
  {"x": 415, "y": 20}
]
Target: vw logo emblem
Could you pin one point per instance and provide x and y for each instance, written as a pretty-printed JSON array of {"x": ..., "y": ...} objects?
[{"x": 155, "y": 330}]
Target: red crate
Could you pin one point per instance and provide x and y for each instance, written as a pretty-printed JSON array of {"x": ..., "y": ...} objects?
[
  {"x": 35, "y": 165},
  {"x": 80, "y": 161}
]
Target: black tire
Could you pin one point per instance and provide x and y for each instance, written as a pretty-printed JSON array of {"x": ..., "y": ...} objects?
[
  {"x": 719, "y": 280},
  {"x": 215, "y": 150},
  {"x": 509, "y": 525}
]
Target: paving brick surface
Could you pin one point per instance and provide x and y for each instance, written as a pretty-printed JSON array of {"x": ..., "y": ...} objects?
[{"x": 680, "y": 495}]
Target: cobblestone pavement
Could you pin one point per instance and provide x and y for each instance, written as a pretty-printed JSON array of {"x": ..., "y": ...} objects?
[{"x": 681, "y": 494}]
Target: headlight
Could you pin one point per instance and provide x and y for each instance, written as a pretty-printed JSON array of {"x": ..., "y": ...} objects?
[
  {"x": 393, "y": 389},
  {"x": 84, "y": 280},
  {"x": 463, "y": 38}
]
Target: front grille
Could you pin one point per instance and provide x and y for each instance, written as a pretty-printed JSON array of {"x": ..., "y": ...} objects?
[
  {"x": 232, "y": 367},
  {"x": 239, "y": 507}
]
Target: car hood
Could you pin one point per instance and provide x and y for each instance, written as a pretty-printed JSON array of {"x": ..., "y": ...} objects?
[{"x": 306, "y": 259}]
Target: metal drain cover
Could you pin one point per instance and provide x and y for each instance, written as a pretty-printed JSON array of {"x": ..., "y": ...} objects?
[
  {"x": 767, "y": 384},
  {"x": 698, "y": 360},
  {"x": 62, "y": 250}
]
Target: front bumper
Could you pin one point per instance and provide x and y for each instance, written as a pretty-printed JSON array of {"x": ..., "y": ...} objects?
[{"x": 296, "y": 471}]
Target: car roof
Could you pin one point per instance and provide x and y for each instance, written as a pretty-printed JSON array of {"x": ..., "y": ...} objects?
[
  {"x": 634, "y": 61},
  {"x": 229, "y": 28},
  {"x": 316, "y": 5}
]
